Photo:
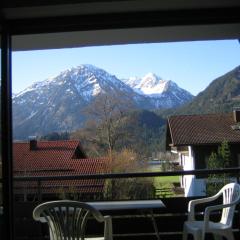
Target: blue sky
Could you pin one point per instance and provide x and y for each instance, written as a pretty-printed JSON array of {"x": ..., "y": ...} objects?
[{"x": 192, "y": 65}]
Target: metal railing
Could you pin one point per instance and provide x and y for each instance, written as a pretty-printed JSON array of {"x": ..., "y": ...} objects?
[
  {"x": 169, "y": 221},
  {"x": 39, "y": 180}
]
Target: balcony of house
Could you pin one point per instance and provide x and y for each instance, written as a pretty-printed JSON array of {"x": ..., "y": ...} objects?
[{"x": 163, "y": 222}]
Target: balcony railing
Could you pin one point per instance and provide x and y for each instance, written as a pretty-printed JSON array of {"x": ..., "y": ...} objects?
[
  {"x": 127, "y": 224},
  {"x": 203, "y": 173}
]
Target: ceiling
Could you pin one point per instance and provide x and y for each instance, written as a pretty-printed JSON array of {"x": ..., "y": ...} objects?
[
  {"x": 125, "y": 36},
  {"x": 46, "y": 24},
  {"x": 17, "y": 9}
]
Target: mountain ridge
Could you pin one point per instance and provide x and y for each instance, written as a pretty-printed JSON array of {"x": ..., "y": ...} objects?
[
  {"x": 221, "y": 95},
  {"x": 57, "y": 103}
]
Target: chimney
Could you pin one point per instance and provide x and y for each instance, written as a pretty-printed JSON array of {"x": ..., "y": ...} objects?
[
  {"x": 33, "y": 143},
  {"x": 236, "y": 114}
]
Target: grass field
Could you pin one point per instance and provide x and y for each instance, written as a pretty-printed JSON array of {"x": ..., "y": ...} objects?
[
  {"x": 166, "y": 184},
  {"x": 168, "y": 179}
]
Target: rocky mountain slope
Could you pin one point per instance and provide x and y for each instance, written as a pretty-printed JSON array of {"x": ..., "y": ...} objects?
[
  {"x": 57, "y": 104},
  {"x": 163, "y": 93},
  {"x": 220, "y": 96}
]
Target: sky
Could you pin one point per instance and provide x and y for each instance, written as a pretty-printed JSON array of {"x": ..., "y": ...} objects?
[{"x": 192, "y": 65}]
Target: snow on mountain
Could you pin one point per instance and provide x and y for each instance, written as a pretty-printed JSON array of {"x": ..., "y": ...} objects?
[
  {"x": 150, "y": 85},
  {"x": 57, "y": 103},
  {"x": 85, "y": 79},
  {"x": 163, "y": 93}
]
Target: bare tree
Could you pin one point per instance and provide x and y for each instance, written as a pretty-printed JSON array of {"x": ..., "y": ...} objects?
[
  {"x": 128, "y": 188},
  {"x": 106, "y": 117}
]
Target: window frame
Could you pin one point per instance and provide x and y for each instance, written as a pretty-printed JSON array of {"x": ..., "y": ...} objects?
[{"x": 10, "y": 27}]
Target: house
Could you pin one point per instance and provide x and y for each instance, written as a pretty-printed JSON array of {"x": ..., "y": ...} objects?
[
  {"x": 195, "y": 137},
  {"x": 55, "y": 158}
]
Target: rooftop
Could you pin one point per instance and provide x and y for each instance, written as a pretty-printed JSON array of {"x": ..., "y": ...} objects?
[
  {"x": 202, "y": 129},
  {"x": 57, "y": 158}
]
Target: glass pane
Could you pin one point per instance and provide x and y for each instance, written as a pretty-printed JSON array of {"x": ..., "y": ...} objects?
[{"x": 72, "y": 119}]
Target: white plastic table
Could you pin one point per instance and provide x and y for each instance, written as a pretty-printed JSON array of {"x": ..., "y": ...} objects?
[{"x": 132, "y": 204}]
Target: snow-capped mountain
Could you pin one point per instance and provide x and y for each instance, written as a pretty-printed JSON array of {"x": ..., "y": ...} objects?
[
  {"x": 150, "y": 84},
  {"x": 85, "y": 80},
  {"x": 163, "y": 93},
  {"x": 57, "y": 104}
]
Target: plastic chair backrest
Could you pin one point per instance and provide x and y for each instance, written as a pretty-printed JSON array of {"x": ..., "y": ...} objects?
[
  {"x": 66, "y": 219},
  {"x": 230, "y": 194}
]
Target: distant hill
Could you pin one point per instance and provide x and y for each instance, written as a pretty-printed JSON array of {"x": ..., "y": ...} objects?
[
  {"x": 148, "y": 130},
  {"x": 140, "y": 131},
  {"x": 220, "y": 96}
]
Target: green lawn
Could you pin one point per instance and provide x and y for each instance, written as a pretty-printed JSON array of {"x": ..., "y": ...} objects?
[
  {"x": 170, "y": 179},
  {"x": 164, "y": 182}
]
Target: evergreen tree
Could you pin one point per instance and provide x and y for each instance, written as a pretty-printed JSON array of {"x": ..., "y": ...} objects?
[
  {"x": 221, "y": 159},
  {"x": 224, "y": 154}
]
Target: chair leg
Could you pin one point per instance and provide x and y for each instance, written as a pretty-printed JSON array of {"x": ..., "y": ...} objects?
[
  {"x": 185, "y": 233},
  {"x": 217, "y": 237},
  {"x": 229, "y": 235},
  {"x": 198, "y": 235}
]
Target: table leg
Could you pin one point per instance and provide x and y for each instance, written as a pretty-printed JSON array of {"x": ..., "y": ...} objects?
[{"x": 155, "y": 225}]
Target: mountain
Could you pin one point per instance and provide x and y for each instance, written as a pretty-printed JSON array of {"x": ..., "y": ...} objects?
[
  {"x": 139, "y": 131},
  {"x": 163, "y": 93},
  {"x": 144, "y": 128},
  {"x": 220, "y": 96},
  {"x": 57, "y": 104}
]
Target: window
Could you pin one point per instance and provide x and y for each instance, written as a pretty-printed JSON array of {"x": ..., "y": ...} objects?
[
  {"x": 193, "y": 31},
  {"x": 107, "y": 116}
]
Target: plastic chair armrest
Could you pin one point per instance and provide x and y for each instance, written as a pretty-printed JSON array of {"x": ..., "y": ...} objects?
[
  {"x": 42, "y": 220},
  {"x": 210, "y": 209},
  {"x": 193, "y": 203}
]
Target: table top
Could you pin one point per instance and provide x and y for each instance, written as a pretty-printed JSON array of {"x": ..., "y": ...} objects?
[{"x": 131, "y": 204}]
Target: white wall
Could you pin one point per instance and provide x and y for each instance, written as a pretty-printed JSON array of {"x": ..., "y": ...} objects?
[{"x": 191, "y": 185}]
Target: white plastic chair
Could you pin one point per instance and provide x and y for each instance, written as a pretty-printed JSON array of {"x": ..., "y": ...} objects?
[
  {"x": 231, "y": 196},
  {"x": 67, "y": 219}
]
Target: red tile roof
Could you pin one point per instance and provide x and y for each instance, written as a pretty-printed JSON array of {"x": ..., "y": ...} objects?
[
  {"x": 202, "y": 129},
  {"x": 56, "y": 158}
]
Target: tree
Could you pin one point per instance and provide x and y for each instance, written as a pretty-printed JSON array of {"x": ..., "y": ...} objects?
[
  {"x": 139, "y": 130},
  {"x": 128, "y": 188},
  {"x": 213, "y": 179},
  {"x": 221, "y": 159},
  {"x": 224, "y": 154},
  {"x": 53, "y": 136},
  {"x": 106, "y": 116}
]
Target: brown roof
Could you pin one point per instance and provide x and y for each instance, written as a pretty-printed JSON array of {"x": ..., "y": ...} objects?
[
  {"x": 201, "y": 129},
  {"x": 56, "y": 158}
]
